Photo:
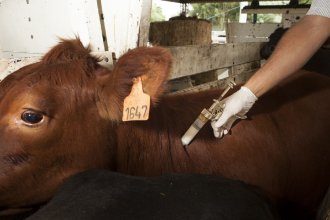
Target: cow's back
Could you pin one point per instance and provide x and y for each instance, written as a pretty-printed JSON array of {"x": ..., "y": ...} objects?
[{"x": 283, "y": 147}]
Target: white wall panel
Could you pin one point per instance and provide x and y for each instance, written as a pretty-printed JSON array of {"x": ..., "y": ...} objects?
[
  {"x": 31, "y": 27},
  {"x": 122, "y": 21}
]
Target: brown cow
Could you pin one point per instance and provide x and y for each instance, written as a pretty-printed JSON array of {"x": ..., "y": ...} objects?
[{"x": 63, "y": 114}]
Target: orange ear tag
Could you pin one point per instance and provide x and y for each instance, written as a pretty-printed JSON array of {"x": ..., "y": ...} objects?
[{"x": 136, "y": 104}]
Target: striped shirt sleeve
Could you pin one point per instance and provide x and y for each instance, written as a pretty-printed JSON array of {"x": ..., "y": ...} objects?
[{"x": 320, "y": 7}]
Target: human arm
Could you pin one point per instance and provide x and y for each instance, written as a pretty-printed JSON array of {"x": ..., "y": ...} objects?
[{"x": 294, "y": 49}]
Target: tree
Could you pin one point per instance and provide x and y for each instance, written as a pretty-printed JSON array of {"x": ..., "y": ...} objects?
[
  {"x": 265, "y": 18},
  {"x": 217, "y": 13},
  {"x": 305, "y": 2},
  {"x": 157, "y": 14}
]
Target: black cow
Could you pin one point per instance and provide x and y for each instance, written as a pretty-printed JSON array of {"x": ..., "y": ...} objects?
[{"x": 101, "y": 194}]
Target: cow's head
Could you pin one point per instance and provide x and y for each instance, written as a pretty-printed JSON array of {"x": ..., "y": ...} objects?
[{"x": 57, "y": 116}]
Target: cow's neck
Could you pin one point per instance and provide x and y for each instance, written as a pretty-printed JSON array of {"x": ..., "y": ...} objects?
[{"x": 144, "y": 148}]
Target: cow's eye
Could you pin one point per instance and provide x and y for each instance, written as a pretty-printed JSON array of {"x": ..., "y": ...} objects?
[{"x": 32, "y": 117}]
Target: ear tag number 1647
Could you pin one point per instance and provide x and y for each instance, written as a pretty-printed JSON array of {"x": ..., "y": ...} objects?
[{"x": 137, "y": 103}]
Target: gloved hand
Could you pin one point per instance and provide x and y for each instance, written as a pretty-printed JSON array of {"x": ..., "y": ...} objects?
[{"x": 236, "y": 106}]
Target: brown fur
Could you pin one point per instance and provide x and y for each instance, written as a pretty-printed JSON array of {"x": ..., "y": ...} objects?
[{"x": 283, "y": 147}]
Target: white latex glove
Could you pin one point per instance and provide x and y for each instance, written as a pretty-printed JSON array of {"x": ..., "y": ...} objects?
[{"x": 236, "y": 106}]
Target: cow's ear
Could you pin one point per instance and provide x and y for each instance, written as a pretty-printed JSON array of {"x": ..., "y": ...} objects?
[{"x": 152, "y": 64}]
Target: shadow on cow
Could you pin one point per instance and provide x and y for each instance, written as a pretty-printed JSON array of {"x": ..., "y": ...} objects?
[{"x": 62, "y": 116}]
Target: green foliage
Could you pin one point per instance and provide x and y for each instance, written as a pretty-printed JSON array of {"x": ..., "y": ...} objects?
[
  {"x": 157, "y": 14},
  {"x": 305, "y": 1},
  {"x": 265, "y": 18},
  {"x": 220, "y": 13},
  {"x": 217, "y": 13}
]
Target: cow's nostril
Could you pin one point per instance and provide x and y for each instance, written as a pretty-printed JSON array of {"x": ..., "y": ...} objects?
[{"x": 32, "y": 117}]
